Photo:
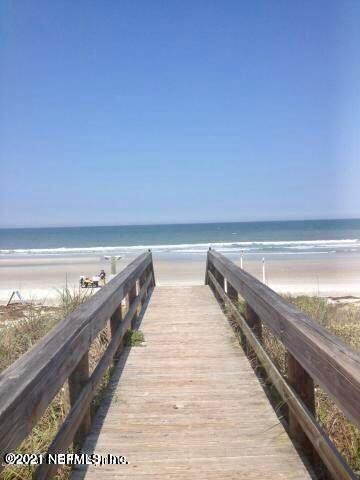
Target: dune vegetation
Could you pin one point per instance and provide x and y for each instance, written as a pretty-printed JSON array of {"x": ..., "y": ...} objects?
[
  {"x": 16, "y": 337},
  {"x": 21, "y": 331},
  {"x": 343, "y": 320}
]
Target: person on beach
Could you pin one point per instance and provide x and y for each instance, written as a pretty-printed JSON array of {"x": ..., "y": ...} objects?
[{"x": 102, "y": 276}]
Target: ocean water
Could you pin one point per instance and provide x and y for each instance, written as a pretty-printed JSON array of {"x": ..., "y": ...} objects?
[{"x": 252, "y": 238}]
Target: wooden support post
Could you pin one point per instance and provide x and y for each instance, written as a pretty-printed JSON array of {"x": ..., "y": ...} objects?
[
  {"x": 132, "y": 296},
  {"x": 115, "y": 322},
  {"x": 303, "y": 384},
  {"x": 254, "y": 323},
  {"x": 77, "y": 380},
  {"x": 151, "y": 269},
  {"x": 213, "y": 271},
  {"x": 234, "y": 297},
  {"x": 142, "y": 281},
  {"x": 232, "y": 293},
  {"x": 207, "y": 269},
  {"x": 147, "y": 273},
  {"x": 210, "y": 268},
  {"x": 151, "y": 272},
  {"x": 220, "y": 278}
]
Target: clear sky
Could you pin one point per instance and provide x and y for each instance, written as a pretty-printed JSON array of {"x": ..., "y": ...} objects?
[{"x": 115, "y": 112}]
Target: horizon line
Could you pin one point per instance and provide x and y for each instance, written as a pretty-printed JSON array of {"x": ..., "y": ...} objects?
[{"x": 156, "y": 224}]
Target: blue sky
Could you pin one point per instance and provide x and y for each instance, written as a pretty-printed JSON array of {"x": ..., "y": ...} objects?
[{"x": 115, "y": 112}]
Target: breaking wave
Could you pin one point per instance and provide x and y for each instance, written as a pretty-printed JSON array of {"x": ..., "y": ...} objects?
[{"x": 248, "y": 247}]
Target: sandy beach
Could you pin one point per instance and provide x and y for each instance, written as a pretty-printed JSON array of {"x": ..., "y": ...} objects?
[{"x": 41, "y": 278}]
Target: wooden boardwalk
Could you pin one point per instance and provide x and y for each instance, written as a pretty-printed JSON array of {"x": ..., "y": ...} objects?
[{"x": 188, "y": 405}]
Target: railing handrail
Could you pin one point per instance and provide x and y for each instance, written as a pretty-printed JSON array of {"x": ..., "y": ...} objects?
[
  {"x": 28, "y": 386},
  {"x": 312, "y": 354},
  {"x": 327, "y": 359}
]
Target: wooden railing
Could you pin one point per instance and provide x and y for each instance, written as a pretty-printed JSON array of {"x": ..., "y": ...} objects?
[
  {"x": 28, "y": 386},
  {"x": 313, "y": 355}
]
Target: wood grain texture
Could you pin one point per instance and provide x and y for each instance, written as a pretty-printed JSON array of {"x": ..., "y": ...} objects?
[
  {"x": 319, "y": 439},
  {"x": 28, "y": 385},
  {"x": 188, "y": 404},
  {"x": 77, "y": 381},
  {"x": 303, "y": 385},
  {"x": 74, "y": 418},
  {"x": 298, "y": 408},
  {"x": 132, "y": 297},
  {"x": 326, "y": 358},
  {"x": 115, "y": 320}
]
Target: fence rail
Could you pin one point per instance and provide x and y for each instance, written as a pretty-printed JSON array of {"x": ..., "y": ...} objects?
[
  {"x": 28, "y": 386},
  {"x": 313, "y": 355}
]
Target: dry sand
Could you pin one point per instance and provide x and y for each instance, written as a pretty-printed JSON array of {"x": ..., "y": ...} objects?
[{"x": 41, "y": 278}]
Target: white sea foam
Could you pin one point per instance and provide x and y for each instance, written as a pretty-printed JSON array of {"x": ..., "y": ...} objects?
[{"x": 283, "y": 246}]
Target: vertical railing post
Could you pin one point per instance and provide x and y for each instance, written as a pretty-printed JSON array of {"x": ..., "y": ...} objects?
[
  {"x": 151, "y": 270},
  {"x": 232, "y": 293},
  {"x": 210, "y": 268},
  {"x": 77, "y": 381},
  {"x": 234, "y": 298},
  {"x": 115, "y": 322},
  {"x": 220, "y": 278},
  {"x": 142, "y": 281},
  {"x": 303, "y": 384},
  {"x": 210, "y": 283},
  {"x": 207, "y": 268},
  {"x": 132, "y": 296},
  {"x": 254, "y": 322}
]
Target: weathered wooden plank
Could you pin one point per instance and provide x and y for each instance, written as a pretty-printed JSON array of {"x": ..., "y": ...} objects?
[
  {"x": 77, "y": 380},
  {"x": 75, "y": 417},
  {"x": 151, "y": 269},
  {"x": 132, "y": 297},
  {"x": 303, "y": 385},
  {"x": 28, "y": 386},
  {"x": 331, "y": 363},
  {"x": 298, "y": 407},
  {"x": 188, "y": 405},
  {"x": 232, "y": 293},
  {"x": 253, "y": 321},
  {"x": 115, "y": 320}
]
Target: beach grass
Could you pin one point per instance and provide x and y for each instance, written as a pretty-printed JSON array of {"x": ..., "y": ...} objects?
[
  {"x": 19, "y": 336},
  {"x": 134, "y": 338},
  {"x": 343, "y": 320}
]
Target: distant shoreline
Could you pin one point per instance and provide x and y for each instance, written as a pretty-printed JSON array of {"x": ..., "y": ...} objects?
[
  {"x": 301, "y": 256},
  {"x": 323, "y": 275}
]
